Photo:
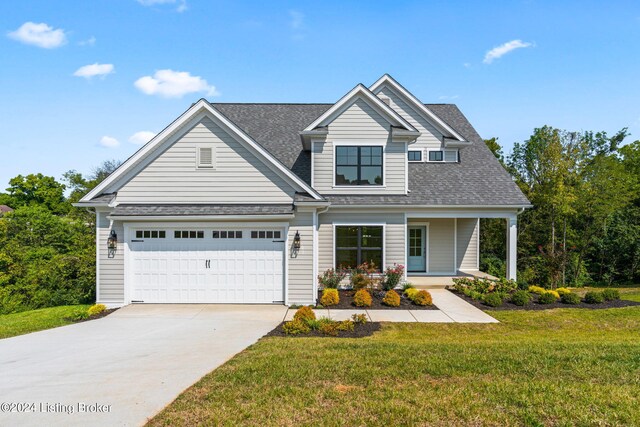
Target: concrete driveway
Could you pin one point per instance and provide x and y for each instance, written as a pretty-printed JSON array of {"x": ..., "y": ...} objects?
[{"x": 124, "y": 368}]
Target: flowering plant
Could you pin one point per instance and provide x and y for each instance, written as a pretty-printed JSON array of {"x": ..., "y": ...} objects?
[
  {"x": 331, "y": 278},
  {"x": 392, "y": 276}
]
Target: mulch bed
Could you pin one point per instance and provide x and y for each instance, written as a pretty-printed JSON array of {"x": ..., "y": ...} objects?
[
  {"x": 534, "y": 305},
  {"x": 359, "y": 331},
  {"x": 346, "y": 302}
]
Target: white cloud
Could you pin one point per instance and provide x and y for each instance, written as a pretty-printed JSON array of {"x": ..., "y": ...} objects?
[
  {"x": 109, "y": 142},
  {"x": 88, "y": 42},
  {"x": 174, "y": 84},
  {"x": 297, "y": 19},
  {"x": 41, "y": 35},
  {"x": 141, "y": 137},
  {"x": 182, "y": 4},
  {"x": 503, "y": 49},
  {"x": 92, "y": 70},
  {"x": 450, "y": 97}
]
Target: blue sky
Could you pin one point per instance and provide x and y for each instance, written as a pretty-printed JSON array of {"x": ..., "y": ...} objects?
[{"x": 573, "y": 65}]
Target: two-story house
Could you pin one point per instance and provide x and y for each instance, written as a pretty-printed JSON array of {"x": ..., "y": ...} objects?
[{"x": 248, "y": 203}]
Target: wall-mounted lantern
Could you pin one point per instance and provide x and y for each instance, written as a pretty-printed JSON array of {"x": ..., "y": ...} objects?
[
  {"x": 112, "y": 243},
  {"x": 296, "y": 241}
]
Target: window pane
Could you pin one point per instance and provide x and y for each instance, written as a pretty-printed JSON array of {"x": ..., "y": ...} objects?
[
  {"x": 371, "y": 237},
  {"x": 223, "y": 234},
  {"x": 346, "y": 258},
  {"x": 262, "y": 234},
  {"x": 215, "y": 234},
  {"x": 371, "y": 175},
  {"x": 347, "y": 155},
  {"x": 346, "y": 237},
  {"x": 238, "y": 234},
  {"x": 162, "y": 234},
  {"x": 372, "y": 256},
  {"x": 276, "y": 234},
  {"x": 269, "y": 234},
  {"x": 451, "y": 156},
  {"x": 435, "y": 156},
  {"x": 254, "y": 234},
  {"x": 154, "y": 234},
  {"x": 376, "y": 156},
  {"x": 415, "y": 156},
  {"x": 346, "y": 175},
  {"x": 176, "y": 234},
  {"x": 139, "y": 234},
  {"x": 200, "y": 234}
]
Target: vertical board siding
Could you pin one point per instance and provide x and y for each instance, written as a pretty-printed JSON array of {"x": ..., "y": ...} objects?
[
  {"x": 359, "y": 123},
  {"x": 110, "y": 270},
  {"x": 237, "y": 176},
  {"x": 301, "y": 264},
  {"x": 441, "y": 245},
  {"x": 467, "y": 245},
  {"x": 394, "y": 248},
  {"x": 430, "y": 137}
]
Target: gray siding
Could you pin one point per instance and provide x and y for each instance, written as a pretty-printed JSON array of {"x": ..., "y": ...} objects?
[
  {"x": 430, "y": 137},
  {"x": 110, "y": 272},
  {"x": 395, "y": 228},
  {"x": 301, "y": 264},
  {"x": 441, "y": 245},
  {"x": 467, "y": 244},
  {"x": 238, "y": 176},
  {"x": 359, "y": 123}
]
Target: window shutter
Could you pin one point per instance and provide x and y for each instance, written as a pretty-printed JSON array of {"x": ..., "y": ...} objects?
[{"x": 205, "y": 157}]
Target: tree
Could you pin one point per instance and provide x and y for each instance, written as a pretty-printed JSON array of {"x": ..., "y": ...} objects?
[{"x": 38, "y": 189}]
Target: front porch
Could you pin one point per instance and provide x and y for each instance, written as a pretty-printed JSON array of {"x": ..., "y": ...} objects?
[{"x": 441, "y": 281}]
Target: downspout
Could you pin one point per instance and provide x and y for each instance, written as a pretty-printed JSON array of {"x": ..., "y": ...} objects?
[{"x": 316, "y": 224}]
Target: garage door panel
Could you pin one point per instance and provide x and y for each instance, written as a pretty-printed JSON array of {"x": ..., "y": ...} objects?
[{"x": 238, "y": 270}]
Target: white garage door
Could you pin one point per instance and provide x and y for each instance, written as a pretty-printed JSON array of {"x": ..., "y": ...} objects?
[{"x": 207, "y": 265}]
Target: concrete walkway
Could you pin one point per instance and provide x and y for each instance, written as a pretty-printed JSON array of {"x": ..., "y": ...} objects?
[
  {"x": 132, "y": 363},
  {"x": 451, "y": 308}
]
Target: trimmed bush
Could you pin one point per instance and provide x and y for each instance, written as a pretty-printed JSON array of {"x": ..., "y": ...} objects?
[
  {"x": 329, "y": 297},
  {"x": 570, "y": 298},
  {"x": 328, "y": 326},
  {"x": 492, "y": 300},
  {"x": 548, "y": 297},
  {"x": 411, "y": 293},
  {"x": 296, "y": 327},
  {"x": 521, "y": 298},
  {"x": 422, "y": 298},
  {"x": 594, "y": 297},
  {"x": 359, "y": 319},
  {"x": 537, "y": 290},
  {"x": 304, "y": 313},
  {"x": 362, "y": 298},
  {"x": 96, "y": 309},
  {"x": 346, "y": 325},
  {"x": 562, "y": 291},
  {"x": 391, "y": 298},
  {"x": 611, "y": 294}
]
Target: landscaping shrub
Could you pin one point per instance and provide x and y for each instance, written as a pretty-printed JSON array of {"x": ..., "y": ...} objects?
[
  {"x": 362, "y": 298},
  {"x": 554, "y": 293},
  {"x": 594, "y": 297},
  {"x": 346, "y": 325},
  {"x": 505, "y": 286},
  {"x": 328, "y": 326},
  {"x": 537, "y": 290},
  {"x": 570, "y": 298},
  {"x": 562, "y": 291},
  {"x": 391, "y": 298},
  {"x": 422, "y": 297},
  {"x": 359, "y": 281},
  {"x": 330, "y": 297},
  {"x": 296, "y": 327},
  {"x": 493, "y": 299},
  {"x": 407, "y": 285},
  {"x": 359, "y": 319},
  {"x": 304, "y": 313},
  {"x": 411, "y": 292},
  {"x": 392, "y": 276},
  {"x": 96, "y": 309},
  {"x": 521, "y": 298},
  {"x": 547, "y": 297},
  {"x": 331, "y": 278},
  {"x": 611, "y": 294}
]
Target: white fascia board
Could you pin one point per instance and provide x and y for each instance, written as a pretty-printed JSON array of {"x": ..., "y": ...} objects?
[
  {"x": 392, "y": 206},
  {"x": 202, "y": 106},
  {"x": 198, "y": 217},
  {"x": 420, "y": 107},
  {"x": 374, "y": 101}
]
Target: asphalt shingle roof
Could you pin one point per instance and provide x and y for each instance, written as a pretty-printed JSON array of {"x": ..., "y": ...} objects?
[
  {"x": 196, "y": 210},
  {"x": 478, "y": 179}
]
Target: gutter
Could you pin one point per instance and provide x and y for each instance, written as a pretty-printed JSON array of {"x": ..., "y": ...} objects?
[{"x": 196, "y": 217}]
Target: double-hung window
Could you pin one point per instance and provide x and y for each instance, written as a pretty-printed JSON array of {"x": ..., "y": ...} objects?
[
  {"x": 359, "y": 165},
  {"x": 356, "y": 244}
]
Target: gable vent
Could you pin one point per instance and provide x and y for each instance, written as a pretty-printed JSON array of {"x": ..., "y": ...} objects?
[
  {"x": 385, "y": 99},
  {"x": 205, "y": 157}
]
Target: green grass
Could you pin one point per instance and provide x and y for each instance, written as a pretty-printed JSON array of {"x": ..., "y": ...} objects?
[
  {"x": 631, "y": 293},
  {"x": 556, "y": 367},
  {"x": 37, "y": 320}
]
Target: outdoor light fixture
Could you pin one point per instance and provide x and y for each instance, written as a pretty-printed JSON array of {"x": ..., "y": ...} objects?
[
  {"x": 296, "y": 241},
  {"x": 112, "y": 241}
]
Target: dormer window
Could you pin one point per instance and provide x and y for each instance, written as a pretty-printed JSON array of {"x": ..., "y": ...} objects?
[
  {"x": 450, "y": 156},
  {"x": 359, "y": 165},
  {"x": 415, "y": 155}
]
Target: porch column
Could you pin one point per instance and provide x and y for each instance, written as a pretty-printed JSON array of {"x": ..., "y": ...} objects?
[{"x": 512, "y": 247}]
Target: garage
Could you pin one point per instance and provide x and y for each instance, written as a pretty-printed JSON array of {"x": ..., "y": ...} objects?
[{"x": 238, "y": 265}]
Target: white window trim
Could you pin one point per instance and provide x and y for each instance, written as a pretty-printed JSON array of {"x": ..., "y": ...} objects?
[
  {"x": 336, "y": 144},
  {"x": 361, "y": 224},
  {"x": 429, "y": 150},
  {"x": 421, "y": 156}
]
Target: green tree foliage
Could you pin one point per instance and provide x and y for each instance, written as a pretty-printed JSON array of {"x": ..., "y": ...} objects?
[
  {"x": 585, "y": 223},
  {"x": 37, "y": 190}
]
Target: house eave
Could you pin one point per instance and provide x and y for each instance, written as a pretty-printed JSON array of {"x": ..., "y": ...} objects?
[{"x": 198, "y": 217}]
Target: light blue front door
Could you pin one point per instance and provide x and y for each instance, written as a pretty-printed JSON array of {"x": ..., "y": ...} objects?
[{"x": 416, "y": 248}]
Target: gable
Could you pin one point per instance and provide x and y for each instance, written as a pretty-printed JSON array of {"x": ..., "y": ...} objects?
[
  {"x": 359, "y": 121},
  {"x": 237, "y": 175}
]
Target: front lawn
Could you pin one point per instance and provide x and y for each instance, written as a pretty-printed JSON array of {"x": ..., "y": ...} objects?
[
  {"x": 37, "y": 320},
  {"x": 556, "y": 367}
]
